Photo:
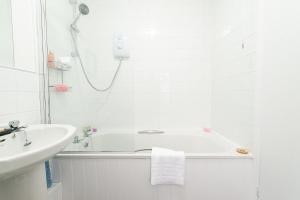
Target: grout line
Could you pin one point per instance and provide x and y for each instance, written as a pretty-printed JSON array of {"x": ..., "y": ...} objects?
[
  {"x": 20, "y": 112},
  {"x": 19, "y": 91},
  {"x": 12, "y": 33},
  {"x": 21, "y": 70}
]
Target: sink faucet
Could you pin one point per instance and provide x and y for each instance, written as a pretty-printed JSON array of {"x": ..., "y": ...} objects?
[{"x": 14, "y": 127}]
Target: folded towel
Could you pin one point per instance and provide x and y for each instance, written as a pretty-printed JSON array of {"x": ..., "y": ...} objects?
[{"x": 167, "y": 166}]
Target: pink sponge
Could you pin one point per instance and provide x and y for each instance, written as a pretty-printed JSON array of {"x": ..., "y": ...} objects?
[
  {"x": 61, "y": 88},
  {"x": 207, "y": 130}
]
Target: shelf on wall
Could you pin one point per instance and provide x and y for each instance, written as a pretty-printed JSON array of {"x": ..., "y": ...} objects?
[
  {"x": 53, "y": 86},
  {"x": 60, "y": 66}
]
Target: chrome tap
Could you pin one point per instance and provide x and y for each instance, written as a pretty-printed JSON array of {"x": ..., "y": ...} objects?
[
  {"x": 76, "y": 140},
  {"x": 86, "y": 131},
  {"x": 13, "y": 127}
]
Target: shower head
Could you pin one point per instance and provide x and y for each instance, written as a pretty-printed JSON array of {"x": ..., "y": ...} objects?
[{"x": 83, "y": 10}]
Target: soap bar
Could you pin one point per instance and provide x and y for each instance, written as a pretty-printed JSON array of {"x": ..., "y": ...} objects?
[{"x": 242, "y": 150}]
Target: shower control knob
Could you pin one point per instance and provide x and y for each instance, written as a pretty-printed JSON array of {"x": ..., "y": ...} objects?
[{"x": 120, "y": 46}]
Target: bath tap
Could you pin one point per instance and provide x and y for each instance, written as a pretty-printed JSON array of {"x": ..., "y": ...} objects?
[
  {"x": 87, "y": 131},
  {"x": 87, "y": 134},
  {"x": 77, "y": 140}
]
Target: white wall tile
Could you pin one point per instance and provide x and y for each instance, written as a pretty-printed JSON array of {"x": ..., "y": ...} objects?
[
  {"x": 234, "y": 71},
  {"x": 28, "y": 82},
  {"x": 6, "y": 39},
  {"x": 279, "y": 100},
  {"x": 167, "y": 39},
  {"x": 27, "y": 101},
  {"x": 8, "y": 103},
  {"x": 8, "y": 80},
  {"x": 24, "y": 35},
  {"x": 19, "y": 85}
]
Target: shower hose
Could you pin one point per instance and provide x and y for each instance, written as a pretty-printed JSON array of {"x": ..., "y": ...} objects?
[{"x": 85, "y": 73}]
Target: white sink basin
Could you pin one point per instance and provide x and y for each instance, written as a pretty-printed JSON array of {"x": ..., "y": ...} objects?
[{"x": 46, "y": 141}]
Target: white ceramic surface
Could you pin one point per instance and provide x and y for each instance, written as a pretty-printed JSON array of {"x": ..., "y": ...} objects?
[
  {"x": 195, "y": 144},
  {"x": 19, "y": 80},
  {"x": 119, "y": 176},
  {"x": 47, "y": 140}
]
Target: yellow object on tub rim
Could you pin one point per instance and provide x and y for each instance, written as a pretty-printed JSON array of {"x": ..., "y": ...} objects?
[{"x": 242, "y": 150}]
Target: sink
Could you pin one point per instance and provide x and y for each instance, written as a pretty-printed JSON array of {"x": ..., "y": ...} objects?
[
  {"x": 18, "y": 160},
  {"x": 46, "y": 141}
]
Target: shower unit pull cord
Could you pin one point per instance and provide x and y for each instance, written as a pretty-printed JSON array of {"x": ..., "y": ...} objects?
[
  {"x": 84, "y": 71},
  {"x": 84, "y": 10}
]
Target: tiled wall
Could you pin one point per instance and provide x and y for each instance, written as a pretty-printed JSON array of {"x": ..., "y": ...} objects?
[
  {"x": 19, "y": 81},
  {"x": 6, "y": 50},
  {"x": 166, "y": 82},
  {"x": 234, "y": 70},
  {"x": 280, "y": 100}
]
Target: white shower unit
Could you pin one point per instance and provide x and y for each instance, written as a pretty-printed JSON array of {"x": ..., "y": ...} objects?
[{"x": 192, "y": 67}]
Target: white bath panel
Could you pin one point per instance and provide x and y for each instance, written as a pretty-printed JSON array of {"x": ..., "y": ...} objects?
[{"x": 122, "y": 179}]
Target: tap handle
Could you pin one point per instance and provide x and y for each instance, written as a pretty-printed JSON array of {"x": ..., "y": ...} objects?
[
  {"x": 24, "y": 126},
  {"x": 14, "y": 124}
]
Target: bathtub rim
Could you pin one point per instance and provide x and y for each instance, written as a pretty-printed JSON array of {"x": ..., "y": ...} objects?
[
  {"x": 230, "y": 153},
  {"x": 132, "y": 155}
]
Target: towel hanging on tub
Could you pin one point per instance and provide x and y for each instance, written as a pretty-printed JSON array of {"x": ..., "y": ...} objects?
[{"x": 167, "y": 167}]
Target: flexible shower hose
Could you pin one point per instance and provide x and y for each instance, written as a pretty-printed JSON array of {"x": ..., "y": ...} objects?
[{"x": 85, "y": 73}]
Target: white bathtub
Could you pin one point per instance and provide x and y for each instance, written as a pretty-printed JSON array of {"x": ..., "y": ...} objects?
[
  {"x": 117, "y": 167},
  {"x": 193, "y": 144}
]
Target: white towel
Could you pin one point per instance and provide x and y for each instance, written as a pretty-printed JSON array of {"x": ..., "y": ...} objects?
[{"x": 167, "y": 166}]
